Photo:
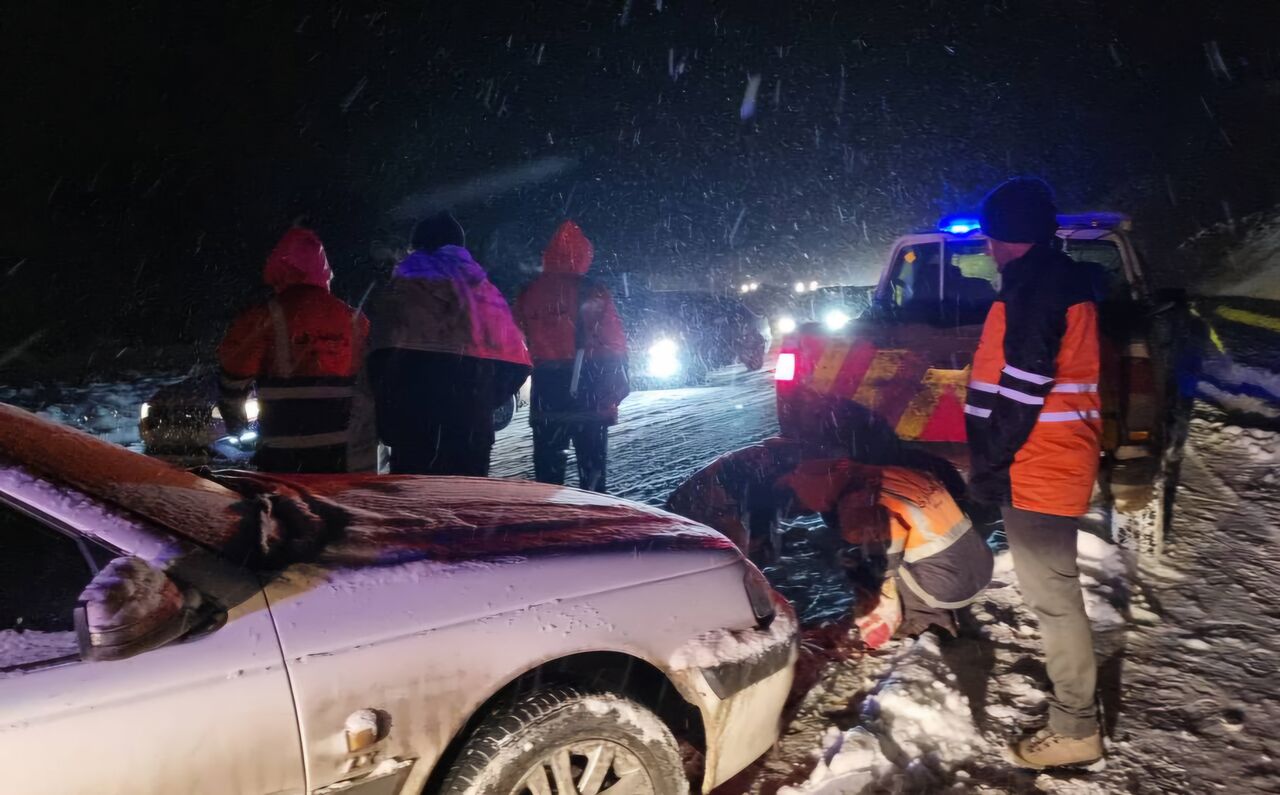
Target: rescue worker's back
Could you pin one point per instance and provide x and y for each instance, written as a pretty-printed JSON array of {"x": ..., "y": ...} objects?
[{"x": 1033, "y": 413}]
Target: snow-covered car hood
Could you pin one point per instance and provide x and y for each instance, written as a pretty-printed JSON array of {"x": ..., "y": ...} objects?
[{"x": 353, "y": 520}]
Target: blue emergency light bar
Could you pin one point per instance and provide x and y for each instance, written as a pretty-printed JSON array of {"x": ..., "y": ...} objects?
[
  {"x": 959, "y": 224},
  {"x": 1100, "y": 220},
  {"x": 967, "y": 224}
]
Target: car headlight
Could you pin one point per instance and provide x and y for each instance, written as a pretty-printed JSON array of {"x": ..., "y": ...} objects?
[
  {"x": 251, "y": 409},
  {"x": 145, "y": 411},
  {"x": 835, "y": 319},
  {"x": 786, "y": 324},
  {"x": 664, "y": 359}
]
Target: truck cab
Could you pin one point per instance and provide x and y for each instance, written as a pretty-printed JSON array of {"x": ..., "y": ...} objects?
[{"x": 907, "y": 359}]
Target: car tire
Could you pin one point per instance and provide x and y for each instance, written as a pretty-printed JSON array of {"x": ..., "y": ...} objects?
[
  {"x": 566, "y": 731},
  {"x": 503, "y": 415}
]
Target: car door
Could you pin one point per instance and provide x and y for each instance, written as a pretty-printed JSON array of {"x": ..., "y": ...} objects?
[{"x": 210, "y": 714}]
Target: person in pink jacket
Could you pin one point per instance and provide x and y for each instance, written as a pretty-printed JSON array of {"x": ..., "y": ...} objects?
[{"x": 445, "y": 353}]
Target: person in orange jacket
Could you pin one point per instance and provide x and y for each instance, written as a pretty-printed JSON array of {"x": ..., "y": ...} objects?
[
  {"x": 303, "y": 349},
  {"x": 898, "y": 511},
  {"x": 579, "y": 356},
  {"x": 1034, "y": 422}
]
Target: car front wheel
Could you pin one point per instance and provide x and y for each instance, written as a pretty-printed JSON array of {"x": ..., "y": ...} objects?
[{"x": 570, "y": 742}]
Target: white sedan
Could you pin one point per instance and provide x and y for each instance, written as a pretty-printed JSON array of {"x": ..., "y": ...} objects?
[{"x": 163, "y": 632}]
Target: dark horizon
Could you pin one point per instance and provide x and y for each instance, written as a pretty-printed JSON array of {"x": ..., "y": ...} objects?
[{"x": 157, "y": 152}]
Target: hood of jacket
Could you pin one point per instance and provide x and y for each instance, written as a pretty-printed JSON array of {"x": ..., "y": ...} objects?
[
  {"x": 569, "y": 251},
  {"x": 298, "y": 258}
]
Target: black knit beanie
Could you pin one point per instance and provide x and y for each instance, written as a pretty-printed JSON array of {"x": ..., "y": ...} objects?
[
  {"x": 1020, "y": 210},
  {"x": 437, "y": 231}
]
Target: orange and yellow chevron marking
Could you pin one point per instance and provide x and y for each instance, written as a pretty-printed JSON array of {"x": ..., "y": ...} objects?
[
  {"x": 884, "y": 366},
  {"x": 828, "y": 367},
  {"x": 921, "y": 408},
  {"x": 1248, "y": 318}
]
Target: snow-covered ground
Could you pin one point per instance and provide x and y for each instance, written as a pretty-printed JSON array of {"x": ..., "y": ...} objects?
[
  {"x": 1189, "y": 645},
  {"x": 107, "y": 409},
  {"x": 663, "y": 435}
]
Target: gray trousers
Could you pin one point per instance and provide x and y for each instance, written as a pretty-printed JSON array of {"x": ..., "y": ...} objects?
[{"x": 1044, "y": 556}]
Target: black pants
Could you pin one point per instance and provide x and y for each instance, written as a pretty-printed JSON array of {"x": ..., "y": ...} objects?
[
  {"x": 445, "y": 450},
  {"x": 435, "y": 410},
  {"x": 590, "y": 446}
]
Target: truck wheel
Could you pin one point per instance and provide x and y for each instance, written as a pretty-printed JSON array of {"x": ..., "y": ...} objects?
[
  {"x": 503, "y": 414},
  {"x": 569, "y": 741}
]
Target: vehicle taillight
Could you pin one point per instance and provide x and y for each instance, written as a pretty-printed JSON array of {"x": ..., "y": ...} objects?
[{"x": 786, "y": 370}]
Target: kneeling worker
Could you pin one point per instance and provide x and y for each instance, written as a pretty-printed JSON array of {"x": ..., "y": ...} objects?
[{"x": 936, "y": 562}]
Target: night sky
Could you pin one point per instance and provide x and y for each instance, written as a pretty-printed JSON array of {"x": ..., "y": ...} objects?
[{"x": 154, "y": 151}]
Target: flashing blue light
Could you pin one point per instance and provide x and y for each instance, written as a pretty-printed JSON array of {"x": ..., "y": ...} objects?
[{"x": 959, "y": 225}]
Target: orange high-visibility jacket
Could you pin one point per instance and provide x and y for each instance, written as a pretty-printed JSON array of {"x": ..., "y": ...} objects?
[{"x": 1033, "y": 413}]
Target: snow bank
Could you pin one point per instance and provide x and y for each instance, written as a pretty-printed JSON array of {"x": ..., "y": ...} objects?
[
  {"x": 916, "y": 730},
  {"x": 915, "y": 727},
  {"x": 1235, "y": 257},
  {"x": 106, "y": 409}
]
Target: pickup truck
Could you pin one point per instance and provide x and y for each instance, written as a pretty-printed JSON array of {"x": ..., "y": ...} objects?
[{"x": 907, "y": 357}]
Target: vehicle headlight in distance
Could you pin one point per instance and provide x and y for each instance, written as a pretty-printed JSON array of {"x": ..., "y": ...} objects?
[
  {"x": 145, "y": 411},
  {"x": 835, "y": 319},
  {"x": 664, "y": 358},
  {"x": 251, "y": 409},
  {"x": 786, "y": 324}
]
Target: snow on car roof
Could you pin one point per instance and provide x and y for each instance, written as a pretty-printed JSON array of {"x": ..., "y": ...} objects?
[{"x": 189, "y": 505}]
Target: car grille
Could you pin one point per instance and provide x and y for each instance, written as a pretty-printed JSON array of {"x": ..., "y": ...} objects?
[{"x": 181, "y": 415}]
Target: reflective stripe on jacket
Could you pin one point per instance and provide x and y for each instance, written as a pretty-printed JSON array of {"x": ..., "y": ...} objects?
[
  {"x": 802, "y": 478},
  {"x": 303, "y": 350},
  {"x": 1033, "y": 411}
]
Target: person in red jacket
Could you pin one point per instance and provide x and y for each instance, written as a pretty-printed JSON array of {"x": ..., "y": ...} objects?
[
  {"x": 303, "y": 349},
  {"x": 579, "y": 361},
  {"x": 1034, "y": 422}
]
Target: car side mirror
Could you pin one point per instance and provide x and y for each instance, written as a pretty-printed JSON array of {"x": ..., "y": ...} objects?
[{"x": 128, "y": 608}]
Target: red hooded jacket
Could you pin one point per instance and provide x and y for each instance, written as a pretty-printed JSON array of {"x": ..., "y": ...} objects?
[
  {"x": 547, "y": 310},
  {"x": 303, "y": 348}
]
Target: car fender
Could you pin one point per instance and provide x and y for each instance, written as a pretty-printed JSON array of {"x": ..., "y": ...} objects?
[{"x": 429, "y": 645}]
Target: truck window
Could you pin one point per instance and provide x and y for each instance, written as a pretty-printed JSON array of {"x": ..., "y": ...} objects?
[
  {"x": 915, "y": 276},
  {"x": 970, "y": 281},
  {"x": 1107, "y": 260}
]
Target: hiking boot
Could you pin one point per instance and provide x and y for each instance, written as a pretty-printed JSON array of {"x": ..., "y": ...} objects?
[{"x": 1046, "y": 748}]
